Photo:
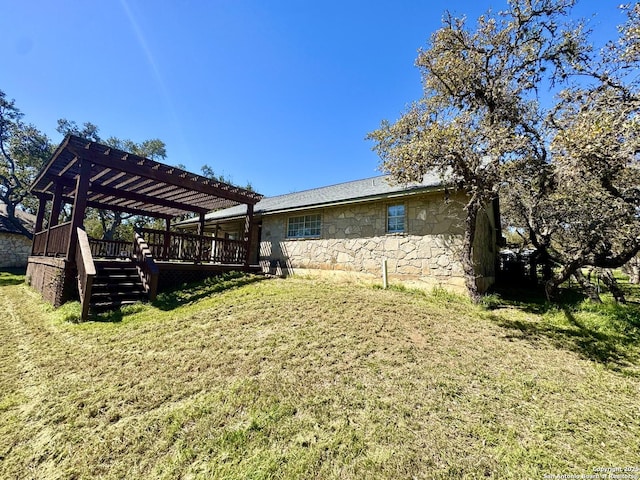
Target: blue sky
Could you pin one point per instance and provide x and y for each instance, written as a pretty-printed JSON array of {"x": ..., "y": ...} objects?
[{"x": 278, "y": 93}]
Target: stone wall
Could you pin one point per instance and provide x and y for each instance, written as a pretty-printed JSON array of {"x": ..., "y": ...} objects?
[
  {"x": 354, "y": 240},
  {"x": 14, "y": 250}
]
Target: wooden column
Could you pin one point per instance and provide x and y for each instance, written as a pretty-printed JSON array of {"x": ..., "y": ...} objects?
[
  {"x": 79, "y": 207},
  {"x": 201, "y": 240},
  {"x": 167, "y": 239},
  {"x": 54, "y": 216},
  {"x": 56, "y": 207},
  {"x": 42, "y": 206},
  {"x": 248, "y": 232}
]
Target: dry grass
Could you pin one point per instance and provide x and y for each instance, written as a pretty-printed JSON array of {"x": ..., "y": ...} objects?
[{"x": 301, "y": 379}]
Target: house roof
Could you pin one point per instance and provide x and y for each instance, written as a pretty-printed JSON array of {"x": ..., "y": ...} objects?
[
  {"x": 7, "y": 226},
  {"x": 125, "y": 182},
  {"x": 343, "y": 193}
]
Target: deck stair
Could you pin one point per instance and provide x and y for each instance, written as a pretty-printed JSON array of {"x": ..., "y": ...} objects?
[{"x": 116, "y": 283}]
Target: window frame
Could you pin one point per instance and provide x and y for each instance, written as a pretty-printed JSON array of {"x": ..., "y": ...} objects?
[
  {"x": 310, "y": 222},
  {"x": 396, "y": 217}
]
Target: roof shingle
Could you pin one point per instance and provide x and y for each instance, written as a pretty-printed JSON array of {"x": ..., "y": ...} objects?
[{"x": 348, "y": 192}]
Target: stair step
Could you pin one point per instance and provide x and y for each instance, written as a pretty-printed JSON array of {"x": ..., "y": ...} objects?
[
  {"x": 116, "y": 278},
  {"x": 110, "y": 284},
  {"x": 106, "y": 306},
  {"x": 103, "y": 297},
  {"x": 116, "y": 283},
  {"x": 118, "y": 288},
  {"x": 116, "y": 271}
]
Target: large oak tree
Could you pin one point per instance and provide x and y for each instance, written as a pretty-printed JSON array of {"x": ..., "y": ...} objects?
[
  {"x": 23, "y": 151},
  {"x": 479, "y": 111}
]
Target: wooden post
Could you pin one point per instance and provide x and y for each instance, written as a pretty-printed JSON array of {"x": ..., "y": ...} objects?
[
  {"x": 248, "y": 231},
  {"x": 385, "y": 278},
  {"x": 201, "y": 239},
  {"x": 56, "y": 207},
  {"x": 54, "y": 217},
  {"x": 167, "y": 238},
  {"x": 42, "y": 206},
  {"x": 79, "y": 207}
]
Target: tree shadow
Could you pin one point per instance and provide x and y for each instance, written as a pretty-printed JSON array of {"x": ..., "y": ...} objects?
[
  {"x": 610, "y": 336},
  {"x": 532, "y": 299},
  {"x": 11, "y": 276},
  {"x": 192, "y": 292}
]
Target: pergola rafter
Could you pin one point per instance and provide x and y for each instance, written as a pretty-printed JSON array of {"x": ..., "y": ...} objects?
[{"x": 146, "y": 185}]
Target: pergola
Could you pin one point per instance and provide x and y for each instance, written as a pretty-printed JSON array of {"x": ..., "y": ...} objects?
[{"x": 85, "y": 174}]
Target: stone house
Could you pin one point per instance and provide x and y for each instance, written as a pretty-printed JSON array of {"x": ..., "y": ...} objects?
[
  {"x": 352, "y": 228},
  {"x": 15, "y": 246}
]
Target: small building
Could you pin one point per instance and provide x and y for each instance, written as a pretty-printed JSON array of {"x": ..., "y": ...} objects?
[
  {"x": 351, "y": 228},
  {"x": 15, "y": 244}
]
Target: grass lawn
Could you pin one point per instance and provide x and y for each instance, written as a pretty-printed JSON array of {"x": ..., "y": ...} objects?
[{"x": 301, "y": 378}]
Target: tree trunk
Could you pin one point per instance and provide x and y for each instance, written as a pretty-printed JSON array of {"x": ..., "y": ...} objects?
[
  {"x": 588, "y": 287},
  {"x": 468, "y": 264},
  {"x": 610, "y": 281},
  {"x": 552, "y": 284}
]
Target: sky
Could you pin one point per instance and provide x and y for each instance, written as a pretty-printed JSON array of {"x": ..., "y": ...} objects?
[{"x": 276, "y": 93}]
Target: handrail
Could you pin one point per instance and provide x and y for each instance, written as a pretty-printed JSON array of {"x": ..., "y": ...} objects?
[
  {"x": 147, "y": 268},
  {"x": 111, "y": 248},
  {"x": 193, "y": 247},
  {"x": 86, "y": 271}
]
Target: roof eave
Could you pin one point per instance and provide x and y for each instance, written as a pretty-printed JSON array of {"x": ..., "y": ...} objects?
[{"x": 313, "y": 206}]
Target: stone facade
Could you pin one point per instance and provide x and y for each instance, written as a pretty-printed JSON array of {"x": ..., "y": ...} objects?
[
  {"x": 354, "y": 239},
  {"x": 14, "y": 250}
]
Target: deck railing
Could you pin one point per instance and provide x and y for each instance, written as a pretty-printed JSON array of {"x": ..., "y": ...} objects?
[
  {"x": 229, "y": 251},
  {"x": 189, "y": 247},
  {"x": 86, "y": 271},
  {"x": 147, "y": 268},
  {"x": 112, "y": 248},
  {"x": 52, "y": 242},
  {"x": 162, "y": 245}
]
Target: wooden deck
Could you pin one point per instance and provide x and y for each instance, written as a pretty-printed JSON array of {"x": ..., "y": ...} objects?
[{"x": 112, "y": 273}]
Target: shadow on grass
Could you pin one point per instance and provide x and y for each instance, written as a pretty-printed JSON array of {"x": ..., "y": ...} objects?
[
  {"x": 192, "y": 292},
  {"x": 608, "y": 334},
  {"x": 534, "y": 299},
  {"x": 182, "y": 295},
  {"x": 11, "y": 276}
]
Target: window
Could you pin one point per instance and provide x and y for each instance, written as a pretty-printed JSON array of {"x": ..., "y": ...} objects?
[
  {"x": 395, "y": 218},
  {"x": 304, "y": 226}
]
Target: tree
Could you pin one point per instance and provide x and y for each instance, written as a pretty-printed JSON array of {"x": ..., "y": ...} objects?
[
  {"x": 479, "y": 110},
  {"x": 595, "y": 142},
  {"x": 110, "y": 224},
  {"x": 207, "y": 171},
  {"x": 23, "y": 151}
]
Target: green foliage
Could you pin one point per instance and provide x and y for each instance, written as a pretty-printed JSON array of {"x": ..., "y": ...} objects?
[
  {"x": 479, "y": 111},
  {"x": 23, "y": 152}
]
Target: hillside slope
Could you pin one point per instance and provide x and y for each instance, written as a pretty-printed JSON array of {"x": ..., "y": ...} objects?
[{"x": 302, "y": 379}]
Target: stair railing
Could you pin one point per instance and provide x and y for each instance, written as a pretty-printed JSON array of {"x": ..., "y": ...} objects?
[
  {"x": 86, "y": 271},
  {"x": 147, "y": 268}
]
